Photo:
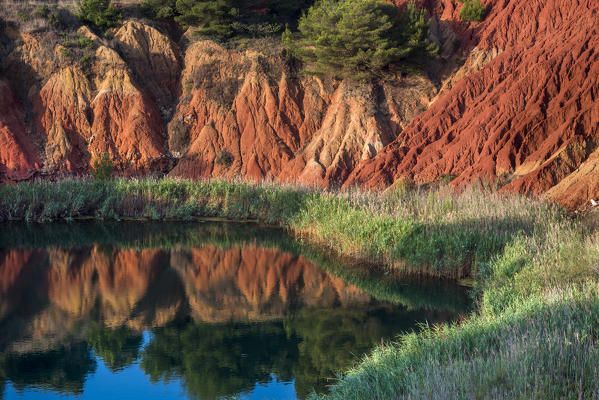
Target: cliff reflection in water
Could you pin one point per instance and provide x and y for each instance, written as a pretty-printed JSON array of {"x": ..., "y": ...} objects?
[{"x": 228, "y": 306}]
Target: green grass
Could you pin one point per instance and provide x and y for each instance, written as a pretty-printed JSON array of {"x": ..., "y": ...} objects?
[
  {"x": 545, "y": 348},
  {"x": 433, "y": 233},
  {"x": 535, "y": 268}
]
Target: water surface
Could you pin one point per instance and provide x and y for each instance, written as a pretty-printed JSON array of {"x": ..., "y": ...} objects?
[{"x": 199, "y": 311}]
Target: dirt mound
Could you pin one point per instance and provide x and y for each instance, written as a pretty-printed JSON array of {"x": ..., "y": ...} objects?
[
  {"x": 82, "y": 109},
  {"x": 529, "y": 114},
  {"x": 577, "y": 189},
  {"x": 247, "y": 114},
  {"x": 359, "y": 122}
]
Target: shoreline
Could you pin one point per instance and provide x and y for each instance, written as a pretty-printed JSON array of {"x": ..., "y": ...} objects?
[{"x": 533, "y": 268}]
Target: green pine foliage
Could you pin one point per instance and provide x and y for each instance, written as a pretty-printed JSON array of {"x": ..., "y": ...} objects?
[
  {"x": 159, "y": 9},
  {"x": 228, "y": 19},
  {"x": 214, "y": 18},
  {"x": 102, "y": 167},
  {"x": 473, "y": 10},
  {"x": 99, "y": 14},
  {"x": 358, "y": 39}
]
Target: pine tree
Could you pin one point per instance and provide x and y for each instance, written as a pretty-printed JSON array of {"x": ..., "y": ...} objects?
[
  {"x": 213, "y": 17},
  {"x": 358, "y": 39},
  {"x": 473, "y": 10},
  {"x": 100, "y": 14}
]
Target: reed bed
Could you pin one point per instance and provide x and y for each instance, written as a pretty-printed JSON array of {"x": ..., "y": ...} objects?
[
  {"x": 434, "y": 233},
  {"x": 545, "y": 348}
]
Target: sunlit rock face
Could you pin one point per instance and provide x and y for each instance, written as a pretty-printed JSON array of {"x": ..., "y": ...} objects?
[
  {"x": 512, "y": 98},
  {"x": 524, "y": 107},
  {"x": 18, "y": 158}
]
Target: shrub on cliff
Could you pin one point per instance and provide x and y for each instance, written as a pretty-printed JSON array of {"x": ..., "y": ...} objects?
[
  {"x": 215, "y": 18},
  {"x": 159, "y": 9},
  {"x": 473, "y": 10},
  {"x": 358, "y": 39},
  {"x": 102, "y": 167},
  {"x": 225, "y": 19},
  {"x": 224, "y": 158},
  {"x": 100, "y": 14}
]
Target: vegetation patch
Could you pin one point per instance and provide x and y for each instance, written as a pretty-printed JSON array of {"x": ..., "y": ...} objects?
[
  {"x": 99, "y": 14},
  {"x": 221, "y": 90},
  {"x": 358, "y": 39},
  {"x": 102, "y": 167},
  {"x": 473, "y": 10},
  {"x": 546, "y": 347},
  {"x": 425, "y": 232},
  {"x": 224, "y": 158},
  {"x": 226, "y": 19}
]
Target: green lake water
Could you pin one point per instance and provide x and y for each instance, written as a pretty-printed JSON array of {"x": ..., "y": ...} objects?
[{"x": 192, "y": 310}]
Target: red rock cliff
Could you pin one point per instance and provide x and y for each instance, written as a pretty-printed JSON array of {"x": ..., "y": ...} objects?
[
  {"x": 521, "y": 108},
  {"x": 529, "y": 113}
]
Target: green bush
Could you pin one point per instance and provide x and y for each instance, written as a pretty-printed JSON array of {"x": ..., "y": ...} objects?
[
  {"x": 224, "y": 158},
  {"x": 213, "y": 17},
  {"x": 55, "y": 16},
  {"x": 100, "y": 14},
  {"x": 358, "y": 38},
  {"x": 102, "y": 167},
  {"x": 77, "y": 41},
  {"x": 224, "y": 19},
  {"x": 86, "y": 61},
  {"x": 159, "y": 9},
  {"x": 473, "y": 10},
  {"x": 41, "y": 12}
]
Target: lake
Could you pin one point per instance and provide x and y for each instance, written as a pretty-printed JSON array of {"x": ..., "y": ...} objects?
[{"x": 192, "y": 310}]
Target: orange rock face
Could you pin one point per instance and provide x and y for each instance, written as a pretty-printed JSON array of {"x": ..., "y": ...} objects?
[
  {"x": 80, "y": 113},
  {"x": 154, "y": 59},
  {"x": 359, "y": 122},
  {"x": 245, "y": 106},
  {"x": 530, "y": 113},
  {"x": 271, "y": 123},
  {"x": 61, "y": 108},
  {"x": 17, "y": 154},
  {"x": 521, "y": 107}
]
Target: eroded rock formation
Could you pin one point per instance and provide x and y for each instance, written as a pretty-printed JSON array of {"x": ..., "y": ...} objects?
[
  {"x": 529, "y": 113},
  {"x": 521, "y": 108},
  {"x": 18, "y": 157}
]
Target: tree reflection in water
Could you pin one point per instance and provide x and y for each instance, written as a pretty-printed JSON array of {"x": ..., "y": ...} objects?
[{"x": 228, "y": 307}]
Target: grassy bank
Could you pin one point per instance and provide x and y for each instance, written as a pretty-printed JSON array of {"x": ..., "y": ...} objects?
[
  {"x": 533, "y": 335},
  {"x": 431, "y": 233}
]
